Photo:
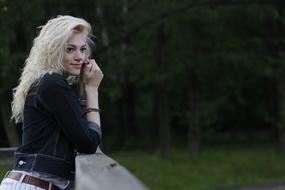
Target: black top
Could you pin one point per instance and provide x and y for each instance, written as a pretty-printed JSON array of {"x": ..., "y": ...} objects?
[{"x": 54, "y": 129}]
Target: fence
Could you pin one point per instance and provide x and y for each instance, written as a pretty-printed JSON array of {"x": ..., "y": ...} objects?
[{"x": 97, "y": 171}]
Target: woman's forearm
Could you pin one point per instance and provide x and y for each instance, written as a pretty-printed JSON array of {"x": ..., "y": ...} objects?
[{"x": 92, "y": 102}]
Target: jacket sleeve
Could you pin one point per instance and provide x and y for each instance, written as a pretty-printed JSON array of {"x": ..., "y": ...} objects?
[{"x": 59, "y": 99}]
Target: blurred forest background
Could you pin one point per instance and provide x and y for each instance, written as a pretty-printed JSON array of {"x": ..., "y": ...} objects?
[{"x": 184, "y": 74}]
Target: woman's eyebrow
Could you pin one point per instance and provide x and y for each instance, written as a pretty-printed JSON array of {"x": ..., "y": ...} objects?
[{"x": 73, "y": 45}]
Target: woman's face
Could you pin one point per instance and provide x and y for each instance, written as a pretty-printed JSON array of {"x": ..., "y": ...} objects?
[{"x": 75, "y": 54}]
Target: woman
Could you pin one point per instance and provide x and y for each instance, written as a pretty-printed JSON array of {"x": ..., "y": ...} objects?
[{"x": 55, "y": 126}]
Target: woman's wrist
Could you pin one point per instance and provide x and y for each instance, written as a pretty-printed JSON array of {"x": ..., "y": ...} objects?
[
  {"x": 91, "y": 109},
  {"x": 91, "y": 89},
  {"x": 91, "y": 96}
]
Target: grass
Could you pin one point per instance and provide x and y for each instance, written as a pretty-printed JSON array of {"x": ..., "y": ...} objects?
[
  {"x": 5, "y": 165},
  {"x": 216, "y": 167}
]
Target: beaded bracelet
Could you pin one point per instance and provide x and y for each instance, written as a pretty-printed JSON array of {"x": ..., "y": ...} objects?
[{"x": 87, "y": 110}]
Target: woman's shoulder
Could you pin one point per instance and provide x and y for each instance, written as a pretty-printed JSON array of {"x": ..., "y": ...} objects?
[{"x": 53, "y": 80}]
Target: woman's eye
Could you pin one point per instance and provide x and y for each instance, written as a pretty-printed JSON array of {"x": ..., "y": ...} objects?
[
  {"x": 83, "y": 49},
  {"x": 69, "y": 49}
]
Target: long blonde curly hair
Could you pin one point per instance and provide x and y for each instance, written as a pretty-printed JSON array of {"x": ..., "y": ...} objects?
[{"x": 46, "y": 55}]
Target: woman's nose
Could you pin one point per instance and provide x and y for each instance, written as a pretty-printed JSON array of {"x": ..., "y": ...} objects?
[{"x": 79, "y": 56}]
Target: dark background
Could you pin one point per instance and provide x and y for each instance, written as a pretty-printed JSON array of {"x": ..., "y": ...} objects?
[{"x": 176, "y": 73}]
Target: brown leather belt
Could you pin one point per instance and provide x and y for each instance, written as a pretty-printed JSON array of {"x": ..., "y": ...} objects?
[{"x": 31, "y": 180}]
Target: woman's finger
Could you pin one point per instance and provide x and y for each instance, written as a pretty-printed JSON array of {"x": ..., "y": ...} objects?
[{"x": 91, "y": 67}]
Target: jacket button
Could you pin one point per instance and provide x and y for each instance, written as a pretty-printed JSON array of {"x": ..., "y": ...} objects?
[{"x": 21, "y": 162}]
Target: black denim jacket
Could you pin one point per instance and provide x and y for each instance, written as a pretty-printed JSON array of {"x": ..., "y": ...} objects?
[{"x": 54, "y": 129}]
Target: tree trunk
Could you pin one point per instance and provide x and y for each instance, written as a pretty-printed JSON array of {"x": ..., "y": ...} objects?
[
  {"x": 128, "y": 93},
  {"x": 162, "y": 96},
  {"x": 9, "y": 126},
  {"x": 104, "y": 33},
  {"x": 193, "y": 142},
  {"x": 163, "y": 122},
  {"x": 280, "y": 83},
  {"x": 193, "y": 128},
  {"x": 129, "y": 109},
  {"x": 280, "y": 80},
  {"x": 281, "y": 136}
]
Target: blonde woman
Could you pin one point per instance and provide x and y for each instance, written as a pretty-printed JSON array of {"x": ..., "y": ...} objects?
[{"x": 55, "y": 126}]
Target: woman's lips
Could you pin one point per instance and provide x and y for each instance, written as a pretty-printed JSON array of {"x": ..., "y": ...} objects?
[{"x": 76, "y": 66}]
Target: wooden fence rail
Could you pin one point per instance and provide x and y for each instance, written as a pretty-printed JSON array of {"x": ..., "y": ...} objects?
[
  {"x": 5, "y": 152},
  {"x": 97, "y": 172}
]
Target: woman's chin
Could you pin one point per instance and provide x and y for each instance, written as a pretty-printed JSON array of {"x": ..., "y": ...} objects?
[{"x": 74, "y": 72}]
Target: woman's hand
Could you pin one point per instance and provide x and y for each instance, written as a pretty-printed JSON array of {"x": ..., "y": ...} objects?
[{"x": 91, "y": 74}]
